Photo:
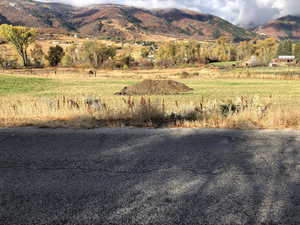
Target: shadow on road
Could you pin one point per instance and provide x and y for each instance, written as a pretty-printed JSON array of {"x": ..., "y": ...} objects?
[{"x": 149, "y": 177}]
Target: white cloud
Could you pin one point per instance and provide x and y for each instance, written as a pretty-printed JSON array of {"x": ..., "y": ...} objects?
[{"x": 242, "y": 12}]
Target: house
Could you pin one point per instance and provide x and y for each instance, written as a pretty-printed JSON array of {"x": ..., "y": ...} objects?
[
  {"x": 283, "y": 60},
  {"x": 286, "y": 59}
]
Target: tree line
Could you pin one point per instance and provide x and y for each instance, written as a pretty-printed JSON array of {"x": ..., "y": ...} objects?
[{"x": 172, "y": 53}]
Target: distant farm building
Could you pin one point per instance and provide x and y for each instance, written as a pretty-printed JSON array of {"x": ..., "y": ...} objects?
[
  {"x": 253, "y": 62},
  {"x": 283, "y": 60}
]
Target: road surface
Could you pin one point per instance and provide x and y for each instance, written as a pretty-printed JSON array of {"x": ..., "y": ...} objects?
[{"x": 147, "y": 176}]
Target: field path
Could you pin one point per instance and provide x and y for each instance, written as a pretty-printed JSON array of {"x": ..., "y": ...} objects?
[{"x": 147, "y": 176}]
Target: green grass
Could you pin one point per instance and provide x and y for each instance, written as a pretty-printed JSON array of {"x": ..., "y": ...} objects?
[
  {"x": 287, "y": 91},
  {"x": 212, "y": 88},
  {"x": 260, "y": 72},
  {"x": 284, "y": 90},
  {"x": 11, "y": 85}
]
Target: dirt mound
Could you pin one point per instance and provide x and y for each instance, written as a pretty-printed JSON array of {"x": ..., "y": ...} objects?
[{"x": 155, "y": 87}]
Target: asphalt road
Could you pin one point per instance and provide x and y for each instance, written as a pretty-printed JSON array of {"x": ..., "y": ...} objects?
[{"x": 145, "y": 176}]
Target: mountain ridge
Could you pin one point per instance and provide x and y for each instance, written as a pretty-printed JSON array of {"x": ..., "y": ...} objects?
[
  {"x": 285, "y": 27},
  {"x": 119, "y": 21}
]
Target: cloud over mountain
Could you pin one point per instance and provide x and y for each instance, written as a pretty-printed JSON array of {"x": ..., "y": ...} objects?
[{"x": 243, "y": 12}]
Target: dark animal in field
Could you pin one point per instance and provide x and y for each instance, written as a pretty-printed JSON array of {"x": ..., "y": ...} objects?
[{"x": 92, "y": 73}]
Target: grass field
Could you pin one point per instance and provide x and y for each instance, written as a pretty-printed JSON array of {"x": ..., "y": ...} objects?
[
  {"x": 287, "y": 91},
  {"x": 12, "y": 85},
  {"x": 25, "y": 99}
]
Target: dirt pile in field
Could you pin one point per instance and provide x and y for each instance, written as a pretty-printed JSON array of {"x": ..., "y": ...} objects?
[{"x": 155, "y": 87}]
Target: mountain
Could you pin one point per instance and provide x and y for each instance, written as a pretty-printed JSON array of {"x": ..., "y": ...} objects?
[
  {"x": 287, "y": 27},
  {"x": 37, "y": 14},
  {"x": 111, "y": 20}
]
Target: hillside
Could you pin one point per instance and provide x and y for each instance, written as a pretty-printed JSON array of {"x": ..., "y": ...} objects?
[
  {"x": 118, "y": 21},
  {"x": 287, "y": 27}
]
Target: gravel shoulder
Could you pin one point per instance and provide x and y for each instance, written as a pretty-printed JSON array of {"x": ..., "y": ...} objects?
[{"x": 149, "y": 176}]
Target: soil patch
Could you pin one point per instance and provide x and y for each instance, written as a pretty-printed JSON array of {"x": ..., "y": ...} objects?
[{"x": 155, "y": 87}]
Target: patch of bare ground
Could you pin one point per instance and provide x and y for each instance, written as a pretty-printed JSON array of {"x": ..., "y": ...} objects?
[{"x": 155, "y": 87}]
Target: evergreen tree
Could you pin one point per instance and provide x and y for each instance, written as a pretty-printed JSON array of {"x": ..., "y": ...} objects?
[
  {"x": 297, "y": 51},
  {"x": 285, "y": 48}
]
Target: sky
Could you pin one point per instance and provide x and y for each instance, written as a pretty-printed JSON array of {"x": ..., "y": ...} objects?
[{"x": 241, "y": 12}]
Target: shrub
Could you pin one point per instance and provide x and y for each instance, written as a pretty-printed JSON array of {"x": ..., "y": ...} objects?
[
  {"x": 185, "y": 75},
  {"x": 229, "y": 107},
  {"x": 149, "y": 112},
  {"x": 8, "y": 63}
]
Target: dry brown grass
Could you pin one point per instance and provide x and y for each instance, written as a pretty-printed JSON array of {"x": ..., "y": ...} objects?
[
  {"x": 67, "y": 73},
  {"x": 192, "y": 73},
  {"x": 240, "y": 113}
]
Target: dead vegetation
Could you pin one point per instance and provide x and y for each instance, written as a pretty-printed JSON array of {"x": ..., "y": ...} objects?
[{"x": 240, "y": 113}]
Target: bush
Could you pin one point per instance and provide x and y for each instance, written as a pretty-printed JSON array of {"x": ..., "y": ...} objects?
[
  {"x": 147, "y": 112},
  {"x": 8, "y": 63},
  {"x": 185, "y": 75},
  {"x": 229, "y": 108}
]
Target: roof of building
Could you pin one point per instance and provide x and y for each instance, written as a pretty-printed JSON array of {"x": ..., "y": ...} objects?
[{"x": 286, "y": 57}]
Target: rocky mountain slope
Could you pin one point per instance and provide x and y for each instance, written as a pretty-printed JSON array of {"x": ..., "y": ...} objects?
[
  {"x": 118, "y": 21},
  {"x": 287, "y": 27}
]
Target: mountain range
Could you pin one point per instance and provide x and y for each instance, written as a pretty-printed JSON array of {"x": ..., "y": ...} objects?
[
  {"x": 119, "y": 21},
  {"x": 126, "y": 22}
]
